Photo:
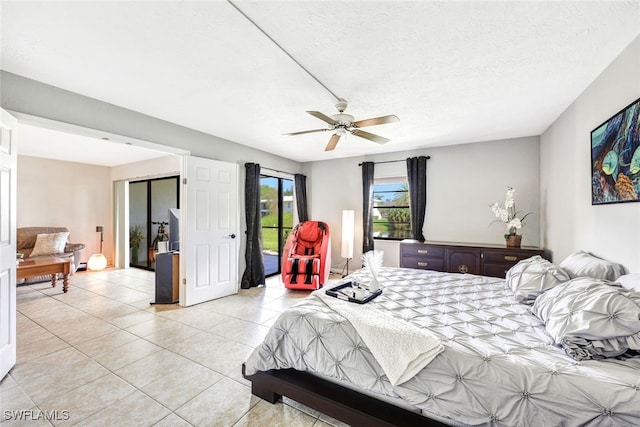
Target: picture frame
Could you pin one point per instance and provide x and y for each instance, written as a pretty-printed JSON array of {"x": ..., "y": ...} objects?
[{"x": 615, "y": 158}]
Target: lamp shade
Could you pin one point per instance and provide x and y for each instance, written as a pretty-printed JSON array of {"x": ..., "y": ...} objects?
[
  {"x": 97, "y": 262},
  {"x": 347, "y": 233}
]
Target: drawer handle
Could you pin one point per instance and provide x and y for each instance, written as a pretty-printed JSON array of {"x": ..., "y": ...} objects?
[
  {"x": 510, "y": 258},
  {"x": 463, "y": 268},
  {"x": 422, "y": 264},
  {"x": 423, "y": 251}
]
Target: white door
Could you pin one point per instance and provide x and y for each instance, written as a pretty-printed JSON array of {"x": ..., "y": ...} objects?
[
  {"x": 8, "y": 143},
  {"x": 209, "y": 218}
]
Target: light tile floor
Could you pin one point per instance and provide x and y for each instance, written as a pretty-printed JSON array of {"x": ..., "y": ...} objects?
[{"x": 101, "y": 355}]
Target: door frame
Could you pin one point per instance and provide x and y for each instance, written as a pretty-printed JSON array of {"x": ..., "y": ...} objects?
[
  {"x": 119, "y": 192},
  {"x": 120, "y": 224}
]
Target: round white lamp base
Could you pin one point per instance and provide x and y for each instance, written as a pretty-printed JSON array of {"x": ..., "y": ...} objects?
[{"x": 97, "y": 262}]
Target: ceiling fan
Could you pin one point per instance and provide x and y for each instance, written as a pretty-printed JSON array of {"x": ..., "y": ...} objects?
[{"x": 342, "y": 123}]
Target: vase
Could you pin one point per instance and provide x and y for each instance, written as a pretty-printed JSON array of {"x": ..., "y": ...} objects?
[
  {"x": 374, "y": 285},
  {"x": 513, "y": 241}
]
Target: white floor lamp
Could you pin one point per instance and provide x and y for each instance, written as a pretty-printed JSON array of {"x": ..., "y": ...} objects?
[{"x": 347, "y": 235}]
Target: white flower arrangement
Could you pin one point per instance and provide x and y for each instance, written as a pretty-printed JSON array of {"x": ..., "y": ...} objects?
[{"x": 508, "y": 214}]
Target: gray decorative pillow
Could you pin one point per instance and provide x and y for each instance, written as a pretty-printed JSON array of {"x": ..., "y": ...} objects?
[
  {"x": 533, "y": 276},
  {"x": 591, "y": 318},
  {"x": 50, "y": 244},
  {"x": 584, "y": 264}
]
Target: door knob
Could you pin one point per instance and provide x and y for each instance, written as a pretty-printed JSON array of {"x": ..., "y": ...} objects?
[{"x": 233, "y": 236}]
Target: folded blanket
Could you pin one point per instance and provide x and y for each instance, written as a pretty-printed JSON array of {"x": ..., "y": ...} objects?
[{"x": 400, "y": 348}]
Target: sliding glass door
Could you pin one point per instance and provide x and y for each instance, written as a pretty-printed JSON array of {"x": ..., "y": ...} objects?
[
  {"x": 149, "y": 203},
  {"x": 276, "y": 210}
]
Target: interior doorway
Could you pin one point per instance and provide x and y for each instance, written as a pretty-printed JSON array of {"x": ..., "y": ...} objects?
[
  {"x": 276, "y": 211},
  {"x": 149, "y": 204}
]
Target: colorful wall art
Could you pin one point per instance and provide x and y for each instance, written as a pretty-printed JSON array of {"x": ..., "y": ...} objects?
[{"x": 615, "y": 158}]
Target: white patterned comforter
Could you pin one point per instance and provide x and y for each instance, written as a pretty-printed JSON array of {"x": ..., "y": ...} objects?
[{"x": 498, "y": 367}]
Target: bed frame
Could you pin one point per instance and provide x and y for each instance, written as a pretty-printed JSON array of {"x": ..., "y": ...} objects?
[{"x": 331, "y": 399}]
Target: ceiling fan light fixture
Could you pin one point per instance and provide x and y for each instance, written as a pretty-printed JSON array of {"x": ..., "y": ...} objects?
[
  {"x": 343, "y": 119},
  {"x": 342, "y": 124}
]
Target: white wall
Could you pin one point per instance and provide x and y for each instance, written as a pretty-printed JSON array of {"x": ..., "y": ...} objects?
[
  {"x": 462, "y": 181},
  {"x": 570, "y": 221},
  {"x": 66, "y": 194}
]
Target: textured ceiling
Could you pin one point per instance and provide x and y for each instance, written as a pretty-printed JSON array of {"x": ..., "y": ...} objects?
[{"x": 453, "y": 72}]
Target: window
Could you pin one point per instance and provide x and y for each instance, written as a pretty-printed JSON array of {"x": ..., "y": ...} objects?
[{"x": 391, "y": 214}]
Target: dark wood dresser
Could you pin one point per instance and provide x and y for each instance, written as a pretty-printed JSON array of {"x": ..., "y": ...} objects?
[{"x": 487, "y": 260}]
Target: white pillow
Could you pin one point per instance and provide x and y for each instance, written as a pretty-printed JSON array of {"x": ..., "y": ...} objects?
[
  {"x": 49, "y": 244},
  {"x": 584, "y": 264},
  {"x": 532, "y": 276},
  {"x": 630, "y": 281}
]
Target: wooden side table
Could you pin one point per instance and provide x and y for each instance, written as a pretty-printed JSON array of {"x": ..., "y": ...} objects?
[{"x": 45, "y": 266}]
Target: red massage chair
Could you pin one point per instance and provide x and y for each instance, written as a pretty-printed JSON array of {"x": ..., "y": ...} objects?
[{"x": 306, "y": 259}]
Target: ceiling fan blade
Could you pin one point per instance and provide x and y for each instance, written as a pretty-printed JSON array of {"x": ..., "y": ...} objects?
[
  {"x": 306, "y": 131},
  {"x": 370, "y": 136},
  {"x": 332, "y": 142},
  {"x": 323, "y": 117},
  {"x": 376, "y": 121}
]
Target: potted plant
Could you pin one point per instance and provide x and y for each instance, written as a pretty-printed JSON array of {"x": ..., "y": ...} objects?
[
  {"x": 135, "y": 240},
  {"x": 511, "y": 217}
]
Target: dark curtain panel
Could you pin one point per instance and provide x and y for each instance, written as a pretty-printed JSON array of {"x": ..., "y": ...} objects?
[
  {"x": 254, "y": 271},
  {"x": 417, "y": 177},
  {"x": 301, "y": 197},
  {"x": 367, "y": 206}
]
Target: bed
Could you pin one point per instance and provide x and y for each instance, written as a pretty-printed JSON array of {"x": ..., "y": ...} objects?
[{"x": 499, "y": 364}]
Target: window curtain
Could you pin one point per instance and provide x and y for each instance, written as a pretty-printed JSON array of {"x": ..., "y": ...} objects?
[
  {"x": 417, "y": 177},
  {"x": 367, "y": 206},
  {"x": 254, "y": 271},
  {"x": 300, "y": 182}
]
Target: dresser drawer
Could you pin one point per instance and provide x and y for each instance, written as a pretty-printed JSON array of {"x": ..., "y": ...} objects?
[
  {"x": 495, "y": 270},
  {"x": 417, "y": 250},
  {"x": 506, "y": 256},
  {"x": 463, "y": 260},
  {"x": 423, "y": 263}
]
